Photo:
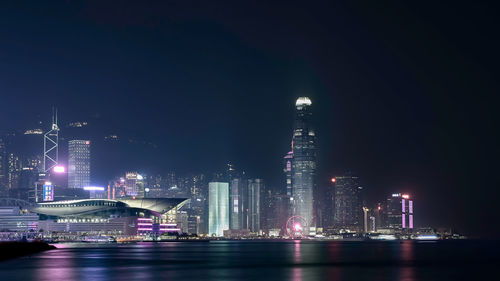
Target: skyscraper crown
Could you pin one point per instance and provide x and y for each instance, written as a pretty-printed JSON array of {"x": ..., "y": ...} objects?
[{"x": 301, "y": 101}]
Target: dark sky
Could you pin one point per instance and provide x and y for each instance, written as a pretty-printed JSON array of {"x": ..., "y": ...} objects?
[{"x": 405, "y": 94}]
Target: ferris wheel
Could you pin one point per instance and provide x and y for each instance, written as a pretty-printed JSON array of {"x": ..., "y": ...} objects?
[{"x": 296, "y": 227}]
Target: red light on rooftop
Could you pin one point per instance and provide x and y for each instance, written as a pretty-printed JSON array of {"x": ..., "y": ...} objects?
[
  {"x": 87, "y": 142},
  {"x": 379, "y": 208},
  {"x": 333, "y": 179},
  {"x": 405, "y": 196}
]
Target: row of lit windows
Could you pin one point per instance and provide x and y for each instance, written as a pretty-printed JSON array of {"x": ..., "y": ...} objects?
[{"x": 82, "y": 204}]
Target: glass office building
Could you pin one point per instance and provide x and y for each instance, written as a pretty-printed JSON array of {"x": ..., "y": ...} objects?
[
  {"x": 304, "y": 162},
  {"x": 218, "y": 208},
  {"x": 79, "y": 163}
]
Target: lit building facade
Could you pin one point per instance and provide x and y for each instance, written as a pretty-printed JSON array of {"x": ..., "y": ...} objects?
[
  {"x": 399, "y": 212},
  {"x": 237, "y": 189},
  {"x": 3, "y": 171},
  {"x": 218, "y": 208},
  {"x": 13, "y": 171},
  {"x": 255, "y": 187},
  {"x": 13, "y": 218},
  {"x": 122, "y": 216},
  {"x": 287, "y": 170},
  {"x": 134, "y": 185},
  {"x": 78, "y": 163},
  {"x": 304, "y": 162},
  {"x": 348, "y": 211}
]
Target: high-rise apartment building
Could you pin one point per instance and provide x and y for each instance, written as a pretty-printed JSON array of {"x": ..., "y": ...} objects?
[
  {"x": 304, "y": 162},
  {"x": 255, "y": 187},
  {"x": 78, "y": 163},
  {"x": 348, "y": 211},
  {"x": 218, "y": 208}
]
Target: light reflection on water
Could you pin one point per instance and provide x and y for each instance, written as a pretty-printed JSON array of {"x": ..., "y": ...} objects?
[{"x": 256, "y": 260}]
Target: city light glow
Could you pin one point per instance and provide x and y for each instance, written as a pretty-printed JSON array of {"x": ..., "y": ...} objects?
[
  {"x": 59, "y": 169},
  {"x": 94, "y": 188}
]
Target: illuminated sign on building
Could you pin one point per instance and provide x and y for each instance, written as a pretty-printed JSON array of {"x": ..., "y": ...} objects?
[
  {"x": 59, "y": 169},
  {"x": 48, "y": 191},
  {"x": 94, "y": 188}
]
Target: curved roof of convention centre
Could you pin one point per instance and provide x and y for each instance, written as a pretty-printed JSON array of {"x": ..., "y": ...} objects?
[{"x": 88, "y": 206}]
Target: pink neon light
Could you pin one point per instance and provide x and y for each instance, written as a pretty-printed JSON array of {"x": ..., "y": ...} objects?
[
  {"x": 168, "y": 224},
  {"x": 403, "y": 206},
  {"x": 145, "y": 229},
  {"x": 149, "y": 224},
  {"x": 144, "y": 219},
  {"x": 410, "y": 206},
  {"x": 403, "y": 220},
  {"x": 411, "y": 220}
]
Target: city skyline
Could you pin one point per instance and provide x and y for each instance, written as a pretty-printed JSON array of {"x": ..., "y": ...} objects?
[
  {"x": 402, "y": 106},
  {"x": 235, "y": 202}
]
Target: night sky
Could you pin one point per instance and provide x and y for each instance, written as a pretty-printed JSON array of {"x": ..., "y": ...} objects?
[{"x": 404, "y": 95}]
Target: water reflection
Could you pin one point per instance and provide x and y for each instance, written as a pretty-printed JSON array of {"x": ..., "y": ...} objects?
[
  {"x": 334, "y": 272},
  {"x": 407, "y": 257},
  {"x": 297, "y": 259},
  {"x": 255, "y": 260},
  {"x": 57, "y": 265}
]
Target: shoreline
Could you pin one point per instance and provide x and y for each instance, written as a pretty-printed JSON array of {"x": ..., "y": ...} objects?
[{"x": 12, "y": 250}]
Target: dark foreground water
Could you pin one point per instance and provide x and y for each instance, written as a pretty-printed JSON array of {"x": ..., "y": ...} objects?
[{"x": 254, "y": 260}]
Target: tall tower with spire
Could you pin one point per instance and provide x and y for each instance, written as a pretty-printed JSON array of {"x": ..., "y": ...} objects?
[
  {"x": 51, "y": 145},
  {"x": 303, "y": 168}
]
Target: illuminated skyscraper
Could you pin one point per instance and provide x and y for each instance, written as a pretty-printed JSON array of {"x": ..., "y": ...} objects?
[
  {"x": 348, "y": 211},
  {"x": 304, "y": 162},
  {"x": 14, "y": 169},
  {"x": 134, "y": 184},
  {"x": 79, "y": 163},
  {"x": 218, "y": 208},
  {"x": 399, "y": 212},
  {"x": 287, "y": 170},
  {"x": 237, "y": 190},
  {"x": 255, "y": 186}
]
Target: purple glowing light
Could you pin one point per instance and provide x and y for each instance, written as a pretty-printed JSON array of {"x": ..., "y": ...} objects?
[
  {"x": 410, "y": 206},
  {"x": 411, "y": 220},
  {"x": 59, "y": 169},
  {"x": 94, "y": 188},
  {"x": 403, "y": 205},
  {"x": 404, "y": 220}
]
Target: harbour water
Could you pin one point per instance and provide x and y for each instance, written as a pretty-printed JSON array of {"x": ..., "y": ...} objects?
[{"x": 261, "y": 260}]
